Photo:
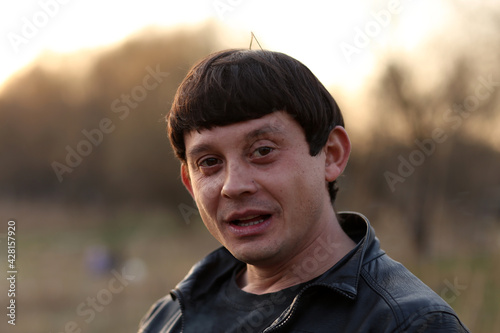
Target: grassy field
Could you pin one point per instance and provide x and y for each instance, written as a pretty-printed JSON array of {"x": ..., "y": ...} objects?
[{"x": 95, "y": 271}]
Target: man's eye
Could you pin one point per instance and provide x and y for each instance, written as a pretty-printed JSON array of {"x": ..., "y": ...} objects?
[
  {"x": 208, "y": 162},
  {"x": 262, "y": 151}
]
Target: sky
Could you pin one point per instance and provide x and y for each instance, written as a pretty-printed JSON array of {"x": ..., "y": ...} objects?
[{"x": 338, "y": 40}]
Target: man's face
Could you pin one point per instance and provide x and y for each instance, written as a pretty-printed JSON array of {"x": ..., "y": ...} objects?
[{"x": 259, "y": 191}]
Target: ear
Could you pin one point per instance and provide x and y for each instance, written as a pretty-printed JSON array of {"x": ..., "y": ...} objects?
[
  {"x": 186, "y": 180},
  {"x": 337, "y": 150}
]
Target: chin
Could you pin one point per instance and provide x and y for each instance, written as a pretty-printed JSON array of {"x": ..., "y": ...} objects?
[{"x": 255, "y": 255}]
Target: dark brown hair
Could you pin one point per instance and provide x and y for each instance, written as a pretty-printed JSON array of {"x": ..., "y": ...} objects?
[{"x": 232, "y": 86}]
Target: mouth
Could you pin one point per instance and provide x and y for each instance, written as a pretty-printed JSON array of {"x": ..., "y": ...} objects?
[
  {"x": 250, "y": 220},
  {"x": 250, "y": 224}
]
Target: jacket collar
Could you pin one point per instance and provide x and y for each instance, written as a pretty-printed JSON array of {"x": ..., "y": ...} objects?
[{"x": 343, "y": 276}]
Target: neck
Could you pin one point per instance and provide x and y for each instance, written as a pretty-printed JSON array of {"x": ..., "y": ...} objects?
[{"x": 318, "y": 256}]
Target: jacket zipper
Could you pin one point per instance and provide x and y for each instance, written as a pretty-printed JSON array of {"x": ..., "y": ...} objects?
[
  {"x": 178, "y": 296},
  {"x": 295, "y": 303}
]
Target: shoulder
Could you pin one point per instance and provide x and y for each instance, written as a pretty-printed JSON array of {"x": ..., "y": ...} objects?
[
  {"x": 405, "y": 299},
  {"x": 164, "y": 314}
]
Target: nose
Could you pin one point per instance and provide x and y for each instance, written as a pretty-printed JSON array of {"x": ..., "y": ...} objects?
[{"x": 238, "y": 181}]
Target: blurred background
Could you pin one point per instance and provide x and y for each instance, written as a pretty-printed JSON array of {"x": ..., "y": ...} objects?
[{"x": 103, "y": 225}]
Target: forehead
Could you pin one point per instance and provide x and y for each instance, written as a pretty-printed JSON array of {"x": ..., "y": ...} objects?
[{"x": 277, "y": 124}]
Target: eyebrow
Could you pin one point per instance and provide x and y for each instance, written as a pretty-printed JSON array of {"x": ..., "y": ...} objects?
[
  {"x": 256, "y": 133},
  {"x": 198, "y": 149}
]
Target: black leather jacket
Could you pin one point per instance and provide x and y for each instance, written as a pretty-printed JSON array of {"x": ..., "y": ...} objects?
[{"x": 365, "y": 292}]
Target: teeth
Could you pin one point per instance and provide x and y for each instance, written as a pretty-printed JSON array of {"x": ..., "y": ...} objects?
[
  {"x": 250, "y": 223},
  {"x": 249, "y": 218}
]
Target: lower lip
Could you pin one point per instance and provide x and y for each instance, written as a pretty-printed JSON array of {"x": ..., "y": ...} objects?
[{"x": 250, "y": 230}]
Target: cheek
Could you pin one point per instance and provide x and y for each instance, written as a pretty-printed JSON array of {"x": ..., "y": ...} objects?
[
  {"x": 206, "y": 193},
  {"x": 308, "y": 171},
  {"x": 211, "y": 225},
  {"x": 308, "y": 183}
]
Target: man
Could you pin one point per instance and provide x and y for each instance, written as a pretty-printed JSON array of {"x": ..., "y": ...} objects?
[{"x": 261, "y": 144}]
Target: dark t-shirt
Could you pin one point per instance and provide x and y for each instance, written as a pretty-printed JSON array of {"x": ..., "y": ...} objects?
[{"x": 232, "y": 310}]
